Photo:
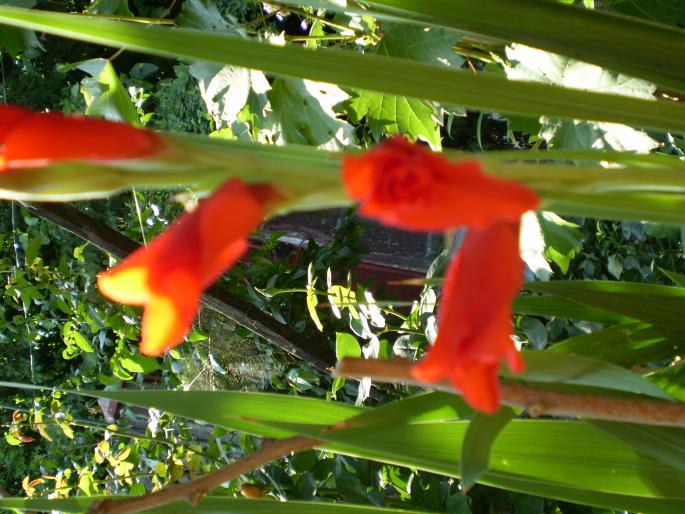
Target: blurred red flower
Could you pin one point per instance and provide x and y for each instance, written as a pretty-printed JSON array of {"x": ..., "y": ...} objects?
[
  {"x": 407, "y": 186},
  {"x": 170, "y": 274},
  {"x": 30, "y": 139},
  {"x": 474, "y": 333}
]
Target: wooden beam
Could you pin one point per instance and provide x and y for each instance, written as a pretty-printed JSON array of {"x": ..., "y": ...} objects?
[{"x": 315, "y": 353}]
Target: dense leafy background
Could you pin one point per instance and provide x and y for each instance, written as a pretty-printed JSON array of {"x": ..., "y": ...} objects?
[{"x": 57, "y": 331}]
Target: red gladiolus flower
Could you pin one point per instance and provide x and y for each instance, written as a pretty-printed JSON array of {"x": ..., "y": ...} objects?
[
  {"x": 475, "y": 317},
  {"x": 407, "y": 186},
  {"x": 30, "y": 139},
  {"x": 170, "y": 274}
]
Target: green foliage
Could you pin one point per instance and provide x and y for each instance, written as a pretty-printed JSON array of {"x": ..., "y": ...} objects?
[{"x": 404, "y": 78}]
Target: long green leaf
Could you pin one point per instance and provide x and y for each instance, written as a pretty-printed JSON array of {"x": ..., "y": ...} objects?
[
  {"x": 548, "y": 305},
  {"x": 627, "y": 345},
  {"x": 395, "y": 76},
  {"x": 665, "y": 444},
  {"x": 660, "y": 305},
  {"x": 208, "y": 505},
  {"x": 560, "y": 368},
  {"x": 629, "y": 45},
  {"x": 557, "y": 459}
]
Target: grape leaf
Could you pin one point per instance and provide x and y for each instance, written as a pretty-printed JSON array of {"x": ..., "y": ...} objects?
[
  {"x": 537, "y": 65},
  {"x": 390, "y": 114}
]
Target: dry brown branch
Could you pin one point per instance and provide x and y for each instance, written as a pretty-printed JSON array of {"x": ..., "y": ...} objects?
[
  {"x": 536, "y": 400},
  {"x": 193, "y": 491}
]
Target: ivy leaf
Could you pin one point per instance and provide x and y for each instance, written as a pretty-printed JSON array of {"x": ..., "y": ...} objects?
[
  {"x": 303, "y": 114},
  {"x": 562, "y": 239},
  {"x": 537, "y": 65},
  {"x": 390, "y": 114}
]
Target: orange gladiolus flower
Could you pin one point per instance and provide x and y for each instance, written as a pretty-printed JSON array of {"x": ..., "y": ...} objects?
[
  {"x": 170, "y": 274},
  {"x": 30, "y": 139},
  {"x": 475, "y": 317},
  {"x": 407, "y": 186}
]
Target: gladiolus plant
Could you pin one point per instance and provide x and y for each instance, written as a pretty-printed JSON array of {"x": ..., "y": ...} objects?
[{"x": 407, "y": 186}]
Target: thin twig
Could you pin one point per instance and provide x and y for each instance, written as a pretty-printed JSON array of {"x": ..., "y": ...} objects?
[
  {"x": 536, "y": 400},
  {"x": 193, "y": 491}
]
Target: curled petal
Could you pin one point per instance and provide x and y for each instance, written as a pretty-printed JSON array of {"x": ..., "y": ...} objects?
[
  {"x": 36, "y": 139},
  {"x": 407, "y": 186}
]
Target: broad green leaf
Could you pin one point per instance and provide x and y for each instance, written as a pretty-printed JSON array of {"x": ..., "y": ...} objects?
[
  {"x": 103, "y": 91},
  {"x": 303, "y": 112},
  {"x": 550, "y": 367},
  {"x": 202, "y": 14},
  {"x": 657, "y": 304},
  {"x": 562, "y": 239},
  {"x": 556, "y": 306},
  {"x": 665, "y": 444},
  {"x": 478, "y": 440},
  {"x": 627, "y": 344},
  {"x": 671, "y": 380},
  {"x": 208, "y": 505},
  {"x": 17, "y": 41},
  {"x": 225, "y": 89},
  {"x": 538, "y": 65},
  {"x": 426, "y": 44},
  {"x": 391, "y": 114},
  {"x": 346, "y": 345},
  {"x": 374, "y": 72}
]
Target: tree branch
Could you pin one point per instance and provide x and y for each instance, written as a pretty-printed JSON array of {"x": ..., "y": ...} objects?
[
  {"x": 193, "y": 491},
  {"x": 536, "y": 400},
  {"x": 314, "y": 353}
]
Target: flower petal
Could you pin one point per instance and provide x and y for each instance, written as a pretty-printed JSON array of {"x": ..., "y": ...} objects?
[
  {"x": 475, "y": 329},
  {"x": 10, "y": 115},
  {"x": 407, "y": 186},
  {"x": 44, "y": 137},
  {"x": 169, "y": 275},
  {"x": 169, "y": 314}
]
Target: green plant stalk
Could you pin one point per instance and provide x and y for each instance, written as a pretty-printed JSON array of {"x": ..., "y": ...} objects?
[
  {"x": 312, "y": 178},
  {"x": 380, "y": 73},
  {"x": 636, "y": 47}
]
